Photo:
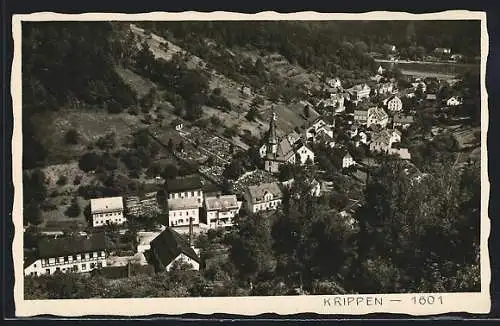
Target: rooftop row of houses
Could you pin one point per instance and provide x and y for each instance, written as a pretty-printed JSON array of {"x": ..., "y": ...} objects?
[{"x": 84, "y": 254}]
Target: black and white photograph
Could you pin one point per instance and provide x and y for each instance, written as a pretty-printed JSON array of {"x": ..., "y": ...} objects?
[{"x": 336, "y": 159}]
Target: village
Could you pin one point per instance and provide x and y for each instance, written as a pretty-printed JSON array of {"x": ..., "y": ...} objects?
[
  {"x": 209, "y": 173},
  {"x": 375, "y": 121}
]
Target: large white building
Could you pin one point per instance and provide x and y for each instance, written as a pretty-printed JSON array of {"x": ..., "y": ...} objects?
[
  {"x": 107, "y": 211},
  {"x": 183, "y": 211},
  {"x": 185, "y": 187},
  {"x": 220, "y": 210},
  {"x": 262, "y": 197},
  {"x": 70, "y": 254}
]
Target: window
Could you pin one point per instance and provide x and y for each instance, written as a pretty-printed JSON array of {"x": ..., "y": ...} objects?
[
  {"x": 99, "y": 265},
  {"x": 66, "y": 259},
  {"x": 75, "y": 268},
  {"x": 36, "y": 273},
  {"x": 58, "y": 269},
  {"x": 192, "y": 193},
  {"x": 84, "y": 266},
  {"x": 34, "y": 265},
  {"x": 47, "y": 271},
  {"x": 92, "y": 266},
  {"x": 74, "y": 257}
]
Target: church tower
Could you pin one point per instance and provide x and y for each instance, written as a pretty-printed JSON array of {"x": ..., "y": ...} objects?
[{"x": 272, "y": 142}]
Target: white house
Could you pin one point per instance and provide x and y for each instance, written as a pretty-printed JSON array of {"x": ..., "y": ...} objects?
[
  {"x": 169, "y": 248},
  {"x": 303, "y": 154},
  {"x": 347, "y": 161},
  {"x": 220, "y": 210},
  {"x": 359, "y": 92},
  {"x": 454, "y": 101},
  {"x": 178, "y": 124},
  {"x": 319, "y": 126},
  {"x": 182, "y": 212},
  {"x": 107, "y": 211},
  {"x": 334, "y": 83},
  {"x": 185, "y": 187},
  {"x": 265, "y": 196},
  {"x": 394, "y": 104},
  {"x": 78, "y": 254},
  {"x": 377, "y": 116}
]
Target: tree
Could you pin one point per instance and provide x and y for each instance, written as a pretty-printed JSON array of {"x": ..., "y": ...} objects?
[
  {"x": 252, "y": 114},
  {"x": 89, "y": 161},
  {"x": 251, "y": 250},
  {"x": 307, "y": 111},
  {"x": 63, "y": 180},
  {"x": 234, "y": 170},
  {"x": 74, "y": 209},
  {"x": 72, "y": 137}
]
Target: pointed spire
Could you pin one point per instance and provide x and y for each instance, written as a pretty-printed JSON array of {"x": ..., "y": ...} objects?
[{"x": 273, "y": 139}]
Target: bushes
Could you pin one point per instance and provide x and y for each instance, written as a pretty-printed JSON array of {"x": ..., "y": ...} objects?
[
  {"x": 63, "y": 180},
  {"x": 73, "y": 209},
  {"x": 72, "y": 137},
  {"x": 89, "y": 162}
]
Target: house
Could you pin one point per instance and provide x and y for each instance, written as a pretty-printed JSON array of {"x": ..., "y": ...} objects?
[
  {"x": 442, "y": 51},
  {"x": 289, "y": 149},
  {"x": 183, "y": 212},
  {"x": 265, "y": 196},
  {"x": 363, "y": 137},
  {"x": 334, "y": 83},
  {"x": 314, "y": 190},
  {"x": 347, "y": 161},
  {"x": 319, "y": 126},
  {"x": 105, "y": 211},
  {"x": 245, "y": 90},
  {"x": 380, "y": 70},
  {"x": 170, "y": 247},
  {"x": 403, "y": 153},
  {"x": 377, "y": 116},
  {"x": 178, "y": 124},
  {"x": 185, "y": 187},
  {"x": 419, "y": 85},
  {"x": 394, "y": 104},
  {"x": 361, "y": 116},
  {"x": 383, "y": 140},
  {"x": 359, "y": 92},
  {"x": 384, "y": 88},
  {"x": 220, "y": 210},
  {"x": 431, "y": 97},
  {"x": 454, "y": 101},
  {"x": 402, "y": 120},
  {"x": 77, "y": 254}
]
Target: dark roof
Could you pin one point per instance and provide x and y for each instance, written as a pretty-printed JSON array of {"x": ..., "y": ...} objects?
[
  {"x": 170, "y": 244},
  {"x": 183, "y": 183},
  {"x": 58, "y": 247}
]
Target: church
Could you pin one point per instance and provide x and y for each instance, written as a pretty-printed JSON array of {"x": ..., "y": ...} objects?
[{"x": 277, "y": 151}]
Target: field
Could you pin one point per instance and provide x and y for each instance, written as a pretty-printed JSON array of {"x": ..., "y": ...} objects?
[{"x": 52, "y": 127}]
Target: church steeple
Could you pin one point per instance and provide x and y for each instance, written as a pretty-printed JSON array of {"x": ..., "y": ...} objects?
[{"x": 272, "y": 142}]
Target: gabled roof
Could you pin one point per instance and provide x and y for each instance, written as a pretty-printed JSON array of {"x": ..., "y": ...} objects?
[
  {"x": 221, "y": 202},
  {"x": 48, "y": 248},
  {"x": 191, "y": 182},
  {"x": 182, "y": 203},
  {"x": 377, "y": 113},
  {"x": 108, "y": 204},
  {"x": 169, "y": 244},
  {"x": 257, "y": 192}
]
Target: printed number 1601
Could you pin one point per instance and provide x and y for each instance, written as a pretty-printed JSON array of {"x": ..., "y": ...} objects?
[{"x": 427, "y": 300}]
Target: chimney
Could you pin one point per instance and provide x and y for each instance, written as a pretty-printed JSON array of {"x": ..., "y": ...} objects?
[{"x": 190, "y": 232}]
